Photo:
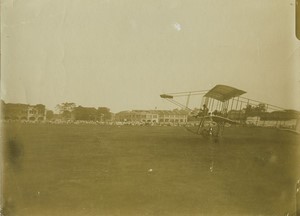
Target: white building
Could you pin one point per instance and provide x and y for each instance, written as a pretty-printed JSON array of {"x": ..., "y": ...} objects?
[{"x": 153, "y": 116}]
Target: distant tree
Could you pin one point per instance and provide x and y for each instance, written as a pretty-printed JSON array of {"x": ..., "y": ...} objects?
[
  {"x": 14, "y": 111},
  {"x": 104, "y": 114},
  {"x": 284, "y": 115},
  {"x": 292, "y": 114},
  {"x": 2, "y": 108},
  {"x": 66, "y": 109},
  {"x": 85, "y": 113},
  {"x": 41, "y": 108},
  {"x": 261, "y": 108},
  {"x": 79, "y": 113},
  {"x": 49, "y": 115},
  {"x": 248, "y": 110}
]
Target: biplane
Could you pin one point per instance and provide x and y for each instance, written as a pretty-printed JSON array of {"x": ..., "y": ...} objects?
[{"x": 221, "y": 106}]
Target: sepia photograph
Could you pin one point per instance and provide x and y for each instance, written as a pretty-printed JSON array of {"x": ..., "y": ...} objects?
[{"x": 150, "y": 108}]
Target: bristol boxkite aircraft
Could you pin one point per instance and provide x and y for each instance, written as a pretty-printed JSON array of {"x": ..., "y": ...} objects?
[{"x": 221, "y": 106}]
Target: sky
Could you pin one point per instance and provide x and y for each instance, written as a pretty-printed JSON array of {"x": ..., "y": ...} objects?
[{"x": 124, "y": 54}]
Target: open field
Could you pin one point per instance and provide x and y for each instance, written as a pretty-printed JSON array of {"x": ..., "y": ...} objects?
[{"x": 108, "y": 170}]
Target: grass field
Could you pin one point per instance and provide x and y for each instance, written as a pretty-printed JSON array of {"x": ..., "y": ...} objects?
[{"x": 106, "y": 170}]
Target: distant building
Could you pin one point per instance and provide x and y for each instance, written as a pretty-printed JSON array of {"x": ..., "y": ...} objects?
[
  {"x": 298, "y": 125},
  {"x": 13, "y": 111},
  {"x": 153, "y": 116},
  {"x": 136, "y": 116},
  {"x": 288, "y": 119},
  {"x": 172, "y": 116}
]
